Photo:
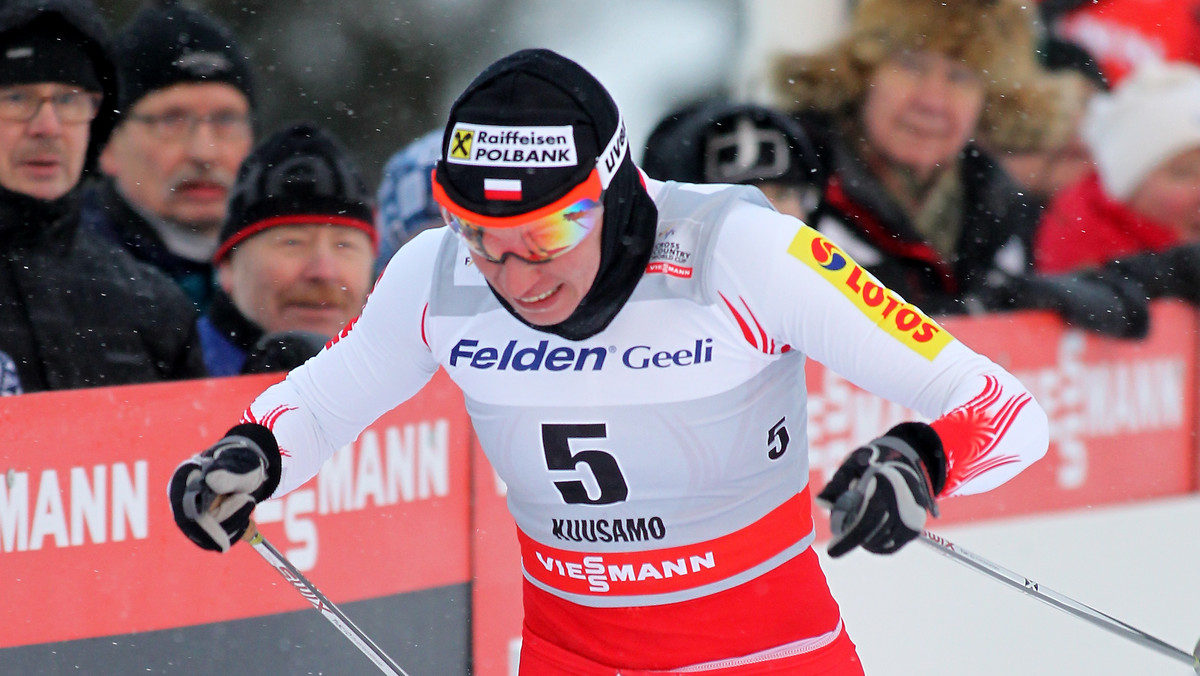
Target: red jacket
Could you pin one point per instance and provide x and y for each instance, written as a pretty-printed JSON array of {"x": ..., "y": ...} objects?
[
  {"x": 1084, "y": 227},
  {"x": 1121, "y": 34}
]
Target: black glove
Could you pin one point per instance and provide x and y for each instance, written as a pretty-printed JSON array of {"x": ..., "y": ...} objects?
[
  {"x": 1096, "y": 300},
  {"x": 282, "y": 351},
  {"x": 242, "y": 469},
  {"x": 1174, "y": 272},
  {"x": 878, "y": 498}
]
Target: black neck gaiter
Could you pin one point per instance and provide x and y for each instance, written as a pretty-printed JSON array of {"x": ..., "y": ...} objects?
[{"x": 627, "y": 239}]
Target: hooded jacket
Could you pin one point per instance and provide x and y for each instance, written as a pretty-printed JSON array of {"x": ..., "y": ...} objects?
[{"x": 76, "y": 311}]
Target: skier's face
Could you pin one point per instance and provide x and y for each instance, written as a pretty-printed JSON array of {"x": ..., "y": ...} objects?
[{"x": 545, "y": 294}]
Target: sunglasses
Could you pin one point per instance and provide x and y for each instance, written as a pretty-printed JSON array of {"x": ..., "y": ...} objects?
[{"x": 536, "y": 237}]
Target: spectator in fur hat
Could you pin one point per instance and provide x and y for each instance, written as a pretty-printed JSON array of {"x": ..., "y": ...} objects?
[
  {"x": 295, "y": 258},
  {"x": 186, "y": 103},
  {"x": 897, "y": 107},
  {"x": 75, "y": 311}
]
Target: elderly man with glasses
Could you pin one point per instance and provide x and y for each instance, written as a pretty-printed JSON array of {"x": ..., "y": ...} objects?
[
  {"x": 186, "y": 103},
  {"x": 75, "y": 310}
]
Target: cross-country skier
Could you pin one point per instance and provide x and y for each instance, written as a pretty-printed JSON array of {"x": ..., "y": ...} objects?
[{"x": 632, "y": 357}]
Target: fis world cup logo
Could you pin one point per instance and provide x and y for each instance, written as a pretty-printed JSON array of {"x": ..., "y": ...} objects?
[{"x": 899, "y": 318}]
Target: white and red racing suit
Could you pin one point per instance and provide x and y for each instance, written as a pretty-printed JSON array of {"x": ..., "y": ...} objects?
[{"x": 658, "y": 471}]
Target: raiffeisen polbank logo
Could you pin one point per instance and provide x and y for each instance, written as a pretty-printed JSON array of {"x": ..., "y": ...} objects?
[{"x": 901, "y": 319}]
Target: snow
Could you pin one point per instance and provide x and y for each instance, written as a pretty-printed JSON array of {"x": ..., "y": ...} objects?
[{"x": 918, "y": 612}]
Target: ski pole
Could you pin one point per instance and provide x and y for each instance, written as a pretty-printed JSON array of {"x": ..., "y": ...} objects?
[
  {"x": 1063, "y": 603},
  {"x": 318, "y": 600}
]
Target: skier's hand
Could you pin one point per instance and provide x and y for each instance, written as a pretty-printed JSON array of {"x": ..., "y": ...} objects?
[
  {"x": 879, "y": 497},
  {"x": 213, "y": 493}
]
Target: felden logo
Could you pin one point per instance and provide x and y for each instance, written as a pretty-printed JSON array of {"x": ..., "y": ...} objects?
[{"x": 899, "y": 318}]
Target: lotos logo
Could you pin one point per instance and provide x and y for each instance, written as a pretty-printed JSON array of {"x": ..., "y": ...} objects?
[
  {"x": 899, "y": 318},
  {"x": 826, "y": 255}
]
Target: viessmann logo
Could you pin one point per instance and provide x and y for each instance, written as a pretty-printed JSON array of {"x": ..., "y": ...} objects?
[
  {"x": 893, "y": 314},
  {"x": 514, "y": 356}
]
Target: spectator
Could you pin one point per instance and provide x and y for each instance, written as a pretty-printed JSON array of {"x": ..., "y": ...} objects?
[
  {"x": 10, "y": 382},
  {"x": 723, "y": 142},
  {"x": 1124, "y": 34},
  {"x": 1043, "y": 164},
  {"x": 894, "y": 106},
  {"x": 186, "y": 103},
  {"x": 75, "y": 310},
  {"x": 406, "y": 204},
  {"x": 294, "y": 263},
  {"x": 1142, "y": 202}
]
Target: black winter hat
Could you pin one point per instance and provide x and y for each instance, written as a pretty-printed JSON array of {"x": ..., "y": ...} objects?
[
  {"x": 48, "y": 49},
  {"x": 724, "y": 142},
  {"x": 72, "y": 21},
  {"x": 299, "y": 175},
  {"x": 534, "y": 118},
  {"x": 166, "y": 43}
]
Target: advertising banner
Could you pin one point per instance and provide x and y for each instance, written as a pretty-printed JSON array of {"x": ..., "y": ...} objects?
[{"x": 87, "y": 543}]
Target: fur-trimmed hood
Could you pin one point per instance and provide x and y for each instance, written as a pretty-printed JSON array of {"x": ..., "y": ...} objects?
[{"x": 1025, "y": 107}]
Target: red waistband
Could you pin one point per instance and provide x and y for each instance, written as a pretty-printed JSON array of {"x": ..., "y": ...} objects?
[
  {"x": 789, "y": 603},
  {"x": 673, "y": 569}
]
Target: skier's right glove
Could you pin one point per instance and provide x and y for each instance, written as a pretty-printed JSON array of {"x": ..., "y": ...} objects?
[
  {"x": 879, "y": 497},
  {"x": 214, "y": 492}
]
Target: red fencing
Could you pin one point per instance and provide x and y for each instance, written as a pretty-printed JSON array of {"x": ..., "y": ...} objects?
[{"x": 412, "y": 504}]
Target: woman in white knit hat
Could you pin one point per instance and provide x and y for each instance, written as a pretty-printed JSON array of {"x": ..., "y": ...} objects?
[{"x": 1144, "y": 195}]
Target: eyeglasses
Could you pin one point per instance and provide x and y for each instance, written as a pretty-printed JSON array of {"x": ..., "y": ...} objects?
[
  {"x": 179, "y": 125},
  {"x": 21, "y": 104},
  {"x": 537, "y": 237}
]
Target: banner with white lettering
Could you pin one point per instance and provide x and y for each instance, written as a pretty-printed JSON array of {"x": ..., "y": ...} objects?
[
  {"x": 1122, "y": 412},
  {"x": 87, "y": 543}
]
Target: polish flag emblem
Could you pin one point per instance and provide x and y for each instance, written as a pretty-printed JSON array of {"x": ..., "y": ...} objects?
[{"x": 502, "y": 189}]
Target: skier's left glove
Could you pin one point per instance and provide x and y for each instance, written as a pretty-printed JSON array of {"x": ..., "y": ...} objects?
[
  {"x": 881, "y": 494},
  {"x": 214, "y": 492}
]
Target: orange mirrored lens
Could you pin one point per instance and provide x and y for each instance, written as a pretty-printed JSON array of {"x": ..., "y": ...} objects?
[{"x": 536, "y": 241}]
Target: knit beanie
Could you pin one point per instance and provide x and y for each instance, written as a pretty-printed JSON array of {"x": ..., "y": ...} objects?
[
  {"x": 166, "y": 43},
  {"x": 1152, "y": 115},
  {"x": 48, "y": 49},
  {"x": 535, "y": 123},
  {"x": 405, "y": 197},
  {"x": 298, "y": 176},
  {"x": 528, "y": 129},
  {"x": 62, "y": 27},
  {"x": 724, "y": 142}
]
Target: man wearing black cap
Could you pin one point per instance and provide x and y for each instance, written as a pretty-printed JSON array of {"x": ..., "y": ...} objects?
[
  {"x": 296, "y": 254},
  {"x": 632, "y": 356},
  {"x": 186, "y": 102},
  {"x": 75, "y": 311}
]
